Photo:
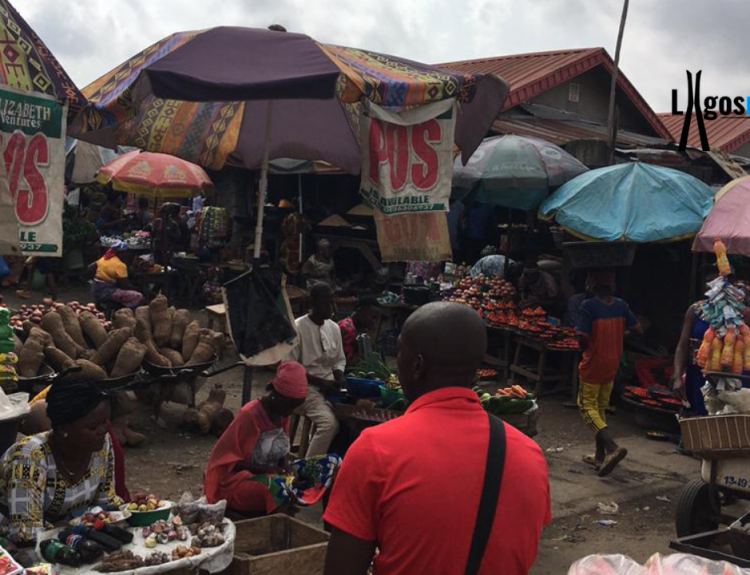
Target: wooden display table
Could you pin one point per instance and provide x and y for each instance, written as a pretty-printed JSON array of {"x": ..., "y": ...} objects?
[{"x": 530, "y": 362}]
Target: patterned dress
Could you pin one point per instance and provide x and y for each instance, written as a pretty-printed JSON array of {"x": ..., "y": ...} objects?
[
  {"x": 349, "y": 338},
  {"x": 34, "y": 494}
]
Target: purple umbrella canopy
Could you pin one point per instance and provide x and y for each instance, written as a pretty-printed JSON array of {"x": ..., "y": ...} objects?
[{"x": 204, "y": 96}]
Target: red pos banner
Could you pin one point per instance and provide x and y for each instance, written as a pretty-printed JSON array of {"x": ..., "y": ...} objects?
[
  {"x": 407, "y": 169},
  {"x": 407, "y": 157},
  {"x": 32, "y": 133}
]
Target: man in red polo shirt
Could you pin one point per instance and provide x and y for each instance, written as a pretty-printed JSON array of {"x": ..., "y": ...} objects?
[{"x": 411, "y": 488}]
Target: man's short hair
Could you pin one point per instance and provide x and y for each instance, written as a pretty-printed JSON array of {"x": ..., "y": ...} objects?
[{"x": 320, "y": 290}]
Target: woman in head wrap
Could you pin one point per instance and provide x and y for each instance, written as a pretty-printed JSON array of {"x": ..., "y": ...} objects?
[
  {"x": 111, "y": 279},
  {"x": 319, "y": 267},
  {"x": 250, "y": 465},
  {"x": 44, "y": 478}
]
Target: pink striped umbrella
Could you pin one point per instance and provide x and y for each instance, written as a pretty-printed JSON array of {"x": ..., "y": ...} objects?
[{"x": 728, "y": 220}]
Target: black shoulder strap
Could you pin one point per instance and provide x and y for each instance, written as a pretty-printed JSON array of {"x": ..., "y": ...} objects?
[{"x": 493, "y": 480}]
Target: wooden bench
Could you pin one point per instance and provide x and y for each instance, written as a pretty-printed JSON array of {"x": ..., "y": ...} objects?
[{"x": 306, "y": 432}]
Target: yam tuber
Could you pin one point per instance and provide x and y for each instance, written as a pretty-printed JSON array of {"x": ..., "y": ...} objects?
[
  {"x": 44, "y": 338},
  {"x": 92, "y": 328},
  {"x": 52, "y": 323},
  {"x": 180, "y": 321},
  {"x": 174, "y": 356},
  {"x": 123, "y": 318},
  {"x": 57, "y": 358},
  {"x": 129, "y": 358},
  {"x": 30, "y": 358},
  {"x": 161, "y": 323},
  {"x": 739, "y": 356},
  {"x": 89, "y": 371},
  {"x": 209, "y": 345},
  {"x": 190, "y": 339},
  {"x": 111, "y": 347},
  {"x": 71, "y": 324},
  {"x": 142, "y": 313},
  {"x": 202, "y": 417},
  {"x": 143, "y": 333}
]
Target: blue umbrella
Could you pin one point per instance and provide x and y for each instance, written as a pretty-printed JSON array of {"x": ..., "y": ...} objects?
[{"x": 631, "y": 202}]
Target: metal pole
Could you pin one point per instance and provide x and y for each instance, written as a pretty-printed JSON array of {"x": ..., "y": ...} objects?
[
  {"x": 613, "y": 88},
  {"x": 263, "y": 185}
]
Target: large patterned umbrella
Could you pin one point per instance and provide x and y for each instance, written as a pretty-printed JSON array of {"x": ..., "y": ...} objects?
[
  {"x": 27, "y": 64},
  {"x": 206, "y": 97},
  {"x": 150, "y": 174},
  {"x": 631, "y": 202}
]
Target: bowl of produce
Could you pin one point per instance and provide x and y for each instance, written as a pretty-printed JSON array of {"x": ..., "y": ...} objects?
[
  {"x": 147, "y": 509},
  {"x": 93, "y": 517}
]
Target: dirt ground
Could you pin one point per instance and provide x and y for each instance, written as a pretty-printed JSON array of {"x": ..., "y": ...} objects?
[{"x": 172, "y": 461}]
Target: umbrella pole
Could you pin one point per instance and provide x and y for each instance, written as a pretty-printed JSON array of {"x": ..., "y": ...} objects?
[
  {"x": 247, "y": 380},
  {"x": 299, "y": 185},
  {"x": 263, "y": 185}
]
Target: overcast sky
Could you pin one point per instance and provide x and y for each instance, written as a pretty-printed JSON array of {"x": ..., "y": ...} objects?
[{"x": 663, "y": 38}]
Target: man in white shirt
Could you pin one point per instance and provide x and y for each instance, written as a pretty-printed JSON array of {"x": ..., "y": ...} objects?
[{"x": 321, "y": 352}]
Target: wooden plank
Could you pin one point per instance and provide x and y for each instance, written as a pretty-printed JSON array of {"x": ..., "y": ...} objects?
[
  {"x": 309, "y": 560},
  {"x": 253, "y": 534},
  {"x": 302, "y": 534}
]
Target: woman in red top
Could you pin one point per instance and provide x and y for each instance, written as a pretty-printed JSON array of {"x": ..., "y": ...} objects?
[
  {"x": 363, "y": 319},
  {"x": 250, "y": 465}
]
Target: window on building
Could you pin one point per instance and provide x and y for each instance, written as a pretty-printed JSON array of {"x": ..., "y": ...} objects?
[{"x": 574, "y": 92}]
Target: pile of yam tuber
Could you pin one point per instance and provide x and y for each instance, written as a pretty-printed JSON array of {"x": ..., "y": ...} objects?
[{"x": 72, "y": 334}]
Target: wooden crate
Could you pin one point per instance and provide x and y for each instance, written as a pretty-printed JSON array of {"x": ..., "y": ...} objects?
[{"x": 278, "y": 544}]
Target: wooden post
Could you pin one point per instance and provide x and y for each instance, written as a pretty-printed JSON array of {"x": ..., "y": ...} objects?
[{"x": 613, "y": 89}]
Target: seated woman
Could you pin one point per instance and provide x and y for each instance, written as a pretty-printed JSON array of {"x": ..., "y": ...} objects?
[
  {"x": 111, "y": 279},
  {"x": 37, "y": 422},
  {"x": 320, "y": 267},
  {"x": 250, "y": 465},
  {"x": 44, "y": 478}
]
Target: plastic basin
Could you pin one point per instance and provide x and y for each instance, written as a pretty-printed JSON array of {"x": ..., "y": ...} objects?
[{"x": 146, "y": 518}]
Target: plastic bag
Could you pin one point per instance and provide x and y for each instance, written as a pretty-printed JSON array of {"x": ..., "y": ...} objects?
[
  {"x": 677, "y": 564},
  {"x": 193, "y": 510}
]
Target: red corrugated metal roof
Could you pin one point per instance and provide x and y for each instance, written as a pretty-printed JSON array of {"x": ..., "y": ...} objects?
[
  {"x": 724, "y": 133},
  {"x": 562, "y": 132},
  {"x": 532, "y": 74}
]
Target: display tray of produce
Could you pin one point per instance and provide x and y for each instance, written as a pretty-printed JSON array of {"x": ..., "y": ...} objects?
[
  {"x": 54, "y": 337},
  {"x": 164, "y": 537},
  {"x": 652, "y": 415}
]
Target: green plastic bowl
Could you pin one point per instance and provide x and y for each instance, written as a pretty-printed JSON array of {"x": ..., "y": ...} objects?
[
  {"x": 390, "y": 396},
  {"x": 146, "y": 518}
]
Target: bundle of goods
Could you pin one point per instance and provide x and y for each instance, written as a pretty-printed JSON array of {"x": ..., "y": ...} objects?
[
  {"x": 653, "y": 397},
  {"x": 482, "y": 293},
  {"x": 726, "y": 343},
  {"x": 76, "y": 335},
  {"x": 213, "y": 226},
  {"x": 509, "y": 400},
  {"x": 372, "y": 367},
  {"x": 146, "y": 265}
]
